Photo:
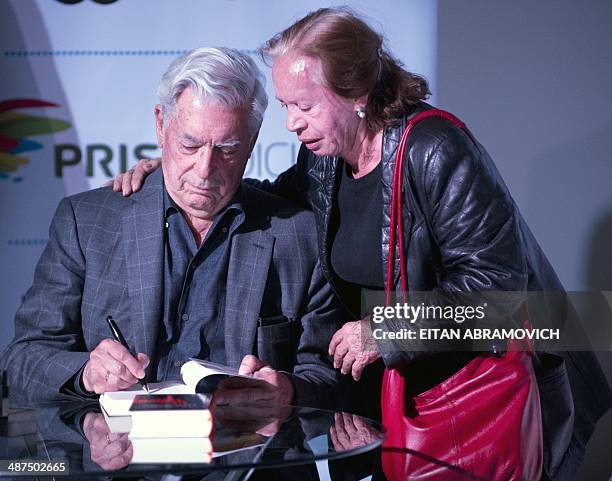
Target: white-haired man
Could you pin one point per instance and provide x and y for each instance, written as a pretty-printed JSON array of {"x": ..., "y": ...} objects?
[{"x": 197, "y": 264}]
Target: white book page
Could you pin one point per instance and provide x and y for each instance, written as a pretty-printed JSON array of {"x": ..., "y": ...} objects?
[{"x": 195, "y": 369}]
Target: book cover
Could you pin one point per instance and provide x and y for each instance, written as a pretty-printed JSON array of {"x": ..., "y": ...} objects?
[{"x": 169, "y": 402}]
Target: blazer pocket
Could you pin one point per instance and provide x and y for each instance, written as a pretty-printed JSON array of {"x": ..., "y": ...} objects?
[
  {"x": 277, "y": 339},
  {"x": 272, "y": 321},
  {"x": 557, "y": 406}
]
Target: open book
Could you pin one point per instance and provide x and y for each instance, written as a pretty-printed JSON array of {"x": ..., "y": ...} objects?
[{"x": 197, "y": 376}]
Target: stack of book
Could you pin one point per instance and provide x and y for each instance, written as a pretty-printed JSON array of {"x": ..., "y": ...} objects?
[
  {"x": 173, "y": 422},
  {"x": 171, "y": 428}
]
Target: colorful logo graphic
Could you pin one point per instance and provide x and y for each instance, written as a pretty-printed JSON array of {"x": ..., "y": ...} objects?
[{"x": 16, "y": 127}]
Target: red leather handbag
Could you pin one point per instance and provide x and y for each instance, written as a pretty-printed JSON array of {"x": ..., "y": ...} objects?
[{"x": 482, "y": 423}]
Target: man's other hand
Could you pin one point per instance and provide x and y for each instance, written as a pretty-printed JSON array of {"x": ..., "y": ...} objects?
[
  {"x": 111, "y": 367},
  {"x": 277, "y": 388}
]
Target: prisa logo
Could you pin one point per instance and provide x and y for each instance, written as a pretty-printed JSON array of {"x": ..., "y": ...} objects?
[{"x": 15, "y": 130}]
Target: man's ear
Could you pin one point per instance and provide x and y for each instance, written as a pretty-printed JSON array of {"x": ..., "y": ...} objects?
[{"x": 159, "y": 125}]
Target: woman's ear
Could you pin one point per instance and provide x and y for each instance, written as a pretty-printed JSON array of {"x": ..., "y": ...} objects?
[{"x": 360, "y": 105}]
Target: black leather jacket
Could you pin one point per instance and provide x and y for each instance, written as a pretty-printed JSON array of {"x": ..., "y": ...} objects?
[{"x": 463, "y": 232}]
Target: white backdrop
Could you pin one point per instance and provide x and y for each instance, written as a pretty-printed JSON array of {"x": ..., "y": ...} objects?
[{"x": 100, "y": 65}]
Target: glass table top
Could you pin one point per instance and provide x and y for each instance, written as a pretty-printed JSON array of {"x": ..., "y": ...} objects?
[{"x": 244, "y": 437}]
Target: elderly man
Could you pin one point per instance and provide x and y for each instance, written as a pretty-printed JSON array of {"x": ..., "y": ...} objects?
[{"x": 196, "y": 264}]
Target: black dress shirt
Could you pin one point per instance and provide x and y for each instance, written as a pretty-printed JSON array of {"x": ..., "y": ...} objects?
[{"x": 194, "y": 288}]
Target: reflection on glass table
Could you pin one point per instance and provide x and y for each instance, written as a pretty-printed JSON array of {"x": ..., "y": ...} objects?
[{"x": 245, "y": 437}]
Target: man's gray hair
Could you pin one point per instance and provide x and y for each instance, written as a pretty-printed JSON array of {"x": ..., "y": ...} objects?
[{"x": 222, "y": 74}]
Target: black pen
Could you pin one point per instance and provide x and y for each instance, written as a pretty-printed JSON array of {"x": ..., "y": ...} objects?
[{"x": 121, "y": 340}]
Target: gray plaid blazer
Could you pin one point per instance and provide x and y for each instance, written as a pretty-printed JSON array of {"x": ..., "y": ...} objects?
[{"x": 106, "y": 251}]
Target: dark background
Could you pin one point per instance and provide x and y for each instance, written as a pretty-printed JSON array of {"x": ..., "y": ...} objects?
[{"x": 533, "y": 80}]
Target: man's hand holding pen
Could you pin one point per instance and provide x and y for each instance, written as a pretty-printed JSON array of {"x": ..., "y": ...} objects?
[{"x": 111, "y": 367}]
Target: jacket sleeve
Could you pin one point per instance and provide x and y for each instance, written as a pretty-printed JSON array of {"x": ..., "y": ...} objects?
[
  {"x": 292, "y": 184},
  {"x": 48, "y": 348},
  {"x": 316, "y": 382},
  {"x": 470, "y": 216},
  {"x": 473, "y": 219}
]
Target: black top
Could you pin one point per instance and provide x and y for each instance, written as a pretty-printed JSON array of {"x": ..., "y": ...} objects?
[
  {"x": 355, "y": 257},
  {"x": 356, "y": 249}
]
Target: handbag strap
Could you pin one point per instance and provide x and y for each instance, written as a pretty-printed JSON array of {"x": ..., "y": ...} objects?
[{"x": 396, "y": 225}]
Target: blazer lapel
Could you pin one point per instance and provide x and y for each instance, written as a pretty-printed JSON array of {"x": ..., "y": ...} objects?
[
  {"x": 143, "y": 231},
  {"x": 248, "y": 266}
]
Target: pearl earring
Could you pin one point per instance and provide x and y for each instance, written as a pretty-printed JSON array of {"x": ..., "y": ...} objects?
[{"x": 360, "y": 112}]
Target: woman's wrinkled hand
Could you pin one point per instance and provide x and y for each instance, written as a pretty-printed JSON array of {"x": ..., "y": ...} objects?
[
  {"x": 132, "y": 180},
  {"x": 353, "y": 348}
]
